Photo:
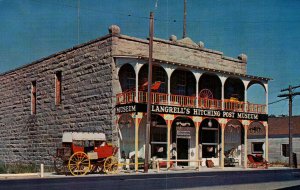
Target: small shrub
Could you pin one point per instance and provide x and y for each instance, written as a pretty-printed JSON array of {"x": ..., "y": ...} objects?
[
  {"x": 2, "y": 167},
  {"x": 278, "y": 164}
]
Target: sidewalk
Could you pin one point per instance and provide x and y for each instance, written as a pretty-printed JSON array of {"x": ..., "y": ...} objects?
[{"x": 140, "y": 172}]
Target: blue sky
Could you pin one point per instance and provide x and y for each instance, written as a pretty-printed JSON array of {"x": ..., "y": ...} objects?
[{"x": 268, "y": 31}]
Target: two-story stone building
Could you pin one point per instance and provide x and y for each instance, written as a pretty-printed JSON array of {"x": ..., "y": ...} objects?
[{"x": 199, "y": 101}]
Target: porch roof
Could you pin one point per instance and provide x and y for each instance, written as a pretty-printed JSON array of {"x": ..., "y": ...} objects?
[{"x": 197, "y": 67}]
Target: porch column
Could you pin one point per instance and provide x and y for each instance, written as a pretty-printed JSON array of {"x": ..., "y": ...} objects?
[
  {"x": 267, "y": 141},
  {"x": 137, "y": 69},
  {"x": 197, "y": 75},
  {"x": 267, "y": 98},
  {"x": 197, "y": 143},
  {"x": 136, "y": 140},
  {"x": 246, "y": 83},
  {"x": 169, "y": 70},
  {"x": 169, "y": 147},
  {"x": 246, "y": 103},
  {"x": 222, "y": 144},
  {"x": 246, "y": 145},
  {"x": 169, "y": 89},
  {"x": 223, "y": 79}
]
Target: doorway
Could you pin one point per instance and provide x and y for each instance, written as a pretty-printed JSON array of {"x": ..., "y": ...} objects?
[{"x": 182, "y": 151}]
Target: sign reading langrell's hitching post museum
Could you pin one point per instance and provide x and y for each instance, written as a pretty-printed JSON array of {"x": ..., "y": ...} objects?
[{"x": 166, "y": 109}]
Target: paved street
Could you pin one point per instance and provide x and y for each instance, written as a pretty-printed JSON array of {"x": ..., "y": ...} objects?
[{"x": 244, "y": 179}]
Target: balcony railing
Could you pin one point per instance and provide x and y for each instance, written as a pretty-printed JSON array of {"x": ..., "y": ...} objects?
[{"x": 190, "y": 101}]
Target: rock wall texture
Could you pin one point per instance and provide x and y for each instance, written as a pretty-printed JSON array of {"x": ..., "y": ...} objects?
[
  {"x": 179, "y": 52},
  {"x": 86, "y": 102}
]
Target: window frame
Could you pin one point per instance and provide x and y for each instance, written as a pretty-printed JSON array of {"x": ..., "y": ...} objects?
[
  {"x": 287, "y": 150},
  {"x": 33, "y": 97},
  {"x": 253, "y": 151},
  {"x": 58, "y": 87}
]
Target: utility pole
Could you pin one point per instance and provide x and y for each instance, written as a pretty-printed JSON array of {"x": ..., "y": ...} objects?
[
  {"x": 290, "y": 96},
  {"x": 184, "y": 20},
  {"x": 148, "y": 125}
]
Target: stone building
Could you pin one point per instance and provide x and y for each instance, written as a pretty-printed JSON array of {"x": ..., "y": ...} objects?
[
  {"x": 278, "y": 139},
  {"x": 199, "y": 101}
]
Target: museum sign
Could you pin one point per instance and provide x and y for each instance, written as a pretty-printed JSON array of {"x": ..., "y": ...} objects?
[{"x": 166, "y": 109}]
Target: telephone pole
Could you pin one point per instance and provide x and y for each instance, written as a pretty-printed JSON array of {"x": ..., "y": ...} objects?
[
  {"x": 184, "y": 20},
  {"x": 290, "y": 96},
  {"x": 148, "y": 125}
]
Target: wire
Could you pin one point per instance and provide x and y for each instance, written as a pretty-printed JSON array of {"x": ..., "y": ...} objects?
[
  {"x": 167, "y": 20},
  {"x": 277, "y": 101}
]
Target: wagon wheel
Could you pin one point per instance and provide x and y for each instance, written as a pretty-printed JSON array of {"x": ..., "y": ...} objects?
[
  {"x": 79, "y": 163},
  {"x": 206, "y": 94},
  {"x": 59, "y": 165},
  {"x": 111, "y": 165}
]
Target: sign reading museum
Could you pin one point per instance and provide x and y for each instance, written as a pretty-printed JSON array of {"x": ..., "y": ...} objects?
[{"x": 190, "y": 111}]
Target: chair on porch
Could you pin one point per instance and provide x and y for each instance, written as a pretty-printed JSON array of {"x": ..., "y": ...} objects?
[{"x": 257, "y": 161}]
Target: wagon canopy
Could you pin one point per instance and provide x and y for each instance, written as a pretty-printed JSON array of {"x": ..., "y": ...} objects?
[{"x": 71, "y": 136}]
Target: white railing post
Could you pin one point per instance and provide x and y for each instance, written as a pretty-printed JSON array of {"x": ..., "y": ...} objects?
[{"x": 42, "y": 170}]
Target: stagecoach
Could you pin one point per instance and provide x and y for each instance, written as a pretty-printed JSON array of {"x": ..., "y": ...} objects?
[{"x": 84, "y": 152}]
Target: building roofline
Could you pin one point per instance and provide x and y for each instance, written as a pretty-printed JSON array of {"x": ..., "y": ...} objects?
[
  {"x": 176, "y": 43},
  {"x": 56, "y": 54}
]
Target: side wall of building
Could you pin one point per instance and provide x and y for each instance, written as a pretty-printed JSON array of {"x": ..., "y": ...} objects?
[
  {"x": 275, "y": 148},
  {"x": 86, "y": 102}
]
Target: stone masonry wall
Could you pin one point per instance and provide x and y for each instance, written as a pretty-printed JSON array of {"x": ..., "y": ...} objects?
[
  {"x": 86, "y": 102},
  {"x": 178, "y": 53}
]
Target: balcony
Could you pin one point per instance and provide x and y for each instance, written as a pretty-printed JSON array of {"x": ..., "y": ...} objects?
[{"x": 190, "y": 101}]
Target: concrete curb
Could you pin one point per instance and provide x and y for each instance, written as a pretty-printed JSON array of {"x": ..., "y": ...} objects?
[
  {"x": 19, "y": 175},
  {"x": 49, "y": 175}
]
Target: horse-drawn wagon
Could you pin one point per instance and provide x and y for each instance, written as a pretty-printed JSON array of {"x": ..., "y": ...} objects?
[{"x": 84, "y": 152}]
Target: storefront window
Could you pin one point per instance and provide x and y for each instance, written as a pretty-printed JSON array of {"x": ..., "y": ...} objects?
[
  {"x": 159, "y": 139},
  {"x": 210, "y": 138}
]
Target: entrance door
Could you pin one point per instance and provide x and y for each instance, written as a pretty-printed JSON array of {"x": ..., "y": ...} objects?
[{"x": 182, "y": 151}]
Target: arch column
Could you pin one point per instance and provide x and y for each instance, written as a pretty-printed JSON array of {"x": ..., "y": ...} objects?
[
  {"x": 197, "y": 121},
  {"x": 137, "y": 118},
  {"x": 267, "y": 97},
  {"x": 137, "y": 68},
  {"x": 169, "y": 119},
  {"x": 245, "y": 82},
  {"x": 197, "y": 75},
  {"x": 223, "y": 79},
  {"x": 169, "y": 70},
  {"x": 223, "y": 125},
  {"x": 169, "y": 123},
  {"x": 267, "y": 141},
  {"x": 246, "y": 126}
]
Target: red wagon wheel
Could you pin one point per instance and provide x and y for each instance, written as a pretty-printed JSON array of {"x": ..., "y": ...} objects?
[{"x": 206, "y": 94}]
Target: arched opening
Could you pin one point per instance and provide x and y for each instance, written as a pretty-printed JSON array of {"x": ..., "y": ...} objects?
[
  {"x": 183, "y": 138},
  {"x": 158, "y": 137},
  {"x": 233, "y": 141},
  {"x": 183, "y": 82},
  {"x": 126, "y": 135},
  {"x": 256, "y": 93},
  {"x": 158, "y": 75},
  {"x": 127, "y": 77},
  {"x": 234, "y": 89},
  {"x": 256, "y": 138},
  {"x": 210, "y": 83},
  {"x": 209, "y": 139}
]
